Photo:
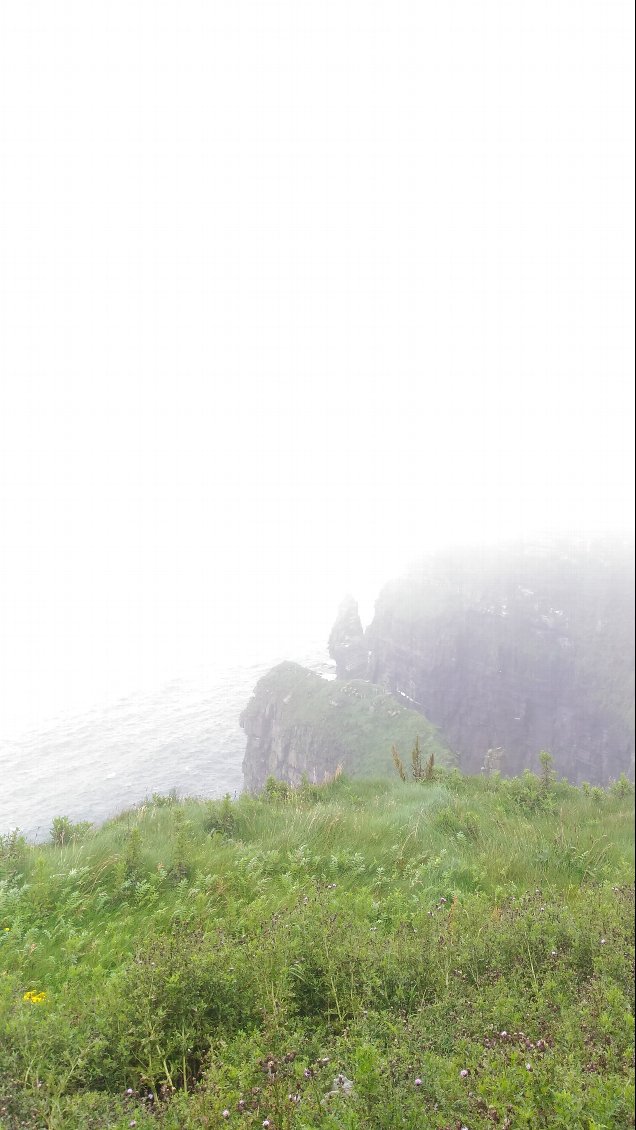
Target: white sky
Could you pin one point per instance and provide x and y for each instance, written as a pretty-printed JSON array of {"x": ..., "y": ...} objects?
[{"x": 289, "y": 291}]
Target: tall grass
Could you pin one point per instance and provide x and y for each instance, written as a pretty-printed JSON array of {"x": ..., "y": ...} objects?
[{"x": 240, "y": 956}]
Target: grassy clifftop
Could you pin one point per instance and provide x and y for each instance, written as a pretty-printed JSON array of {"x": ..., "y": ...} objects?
[
  {"x": 364, "y": 954},
  {"x": 298, "y": 723}
]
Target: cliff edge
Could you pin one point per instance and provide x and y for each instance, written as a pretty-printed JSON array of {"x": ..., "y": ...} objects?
[
  {"x": 522, "y": 649},
  {"x": 299, "y": 724}
]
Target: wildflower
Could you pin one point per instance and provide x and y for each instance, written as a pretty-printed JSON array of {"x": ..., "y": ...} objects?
[
  {"x": 266, "y": 1123},
  {"x": 418, "y": 1082},
  {"x": 133, "y": 1122},
  {"x": 528, "y": 1067},
  {"x": 34, "y": 998},
  {"x": 308, "y": 1073},
  {"x": 464, "y": 1073},
  {"x": 553, "y": 953},
  {"x": 602, "y": 941},
  {"x": 225, "y": 1114},
  {"x": 129, "y": 1091}
]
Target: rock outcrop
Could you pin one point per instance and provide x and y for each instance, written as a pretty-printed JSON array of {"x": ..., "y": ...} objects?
[
  {"x": 528, "y": 649},
  {"x": 346, "y": 642},
  {"x": 301, "y": 725}
]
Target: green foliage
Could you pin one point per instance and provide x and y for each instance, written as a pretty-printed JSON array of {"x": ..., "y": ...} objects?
[
  {"x": 221, "y": 817},
  {"x": 548, "y": 776},
  {"x": 64, "y": 831},
  {"x": 622, "y": 787},
  {"x": 131, "y": 860},
  {"x": 352, "y": 722},
  {"x": 277, "y": 790},
  {"x": 165, "y": 800},
  {"x": 529, "y": 792},
  {"x": 356, "y": 955},
  {"x": 13, "y": 851}
]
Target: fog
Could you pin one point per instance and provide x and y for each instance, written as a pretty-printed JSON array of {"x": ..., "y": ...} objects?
[{"x": 289, "y": 293}]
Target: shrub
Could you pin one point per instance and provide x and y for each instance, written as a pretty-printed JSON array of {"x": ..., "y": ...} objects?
[
  {"x": 277, "y": 790},
  {"x": 622, "y": 787},
  {"x": 220, "y": 817},
  {"x": 64, "y": 831},
  {"x": 13, "y": 848}
]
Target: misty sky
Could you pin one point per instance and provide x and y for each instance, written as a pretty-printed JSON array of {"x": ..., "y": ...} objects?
[{"x": 288, "y": 292}]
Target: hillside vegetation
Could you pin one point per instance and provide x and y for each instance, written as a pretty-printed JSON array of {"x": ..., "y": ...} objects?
[
  {"x": 299, "y": 724},
  {"x": 364, "y": 954}
]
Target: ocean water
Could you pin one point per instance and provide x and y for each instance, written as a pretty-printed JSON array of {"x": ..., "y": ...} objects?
[{"x": 184, "y": 735}]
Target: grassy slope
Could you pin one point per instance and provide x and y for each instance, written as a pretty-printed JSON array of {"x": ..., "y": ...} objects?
[
  {"x": 359, "y": 719},
  {"x": 401, "y": 932}
]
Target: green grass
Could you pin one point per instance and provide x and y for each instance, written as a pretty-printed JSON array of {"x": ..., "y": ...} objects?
[
  {"x": 240, "y": 956},
  {"x": 354, "y": 721}
]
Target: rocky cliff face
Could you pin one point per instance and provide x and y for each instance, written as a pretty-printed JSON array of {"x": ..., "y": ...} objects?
[
  {"x": 346, "y": 642},
  {"x": 528, "y": 649},
  {"x": 298, "y": 724}
]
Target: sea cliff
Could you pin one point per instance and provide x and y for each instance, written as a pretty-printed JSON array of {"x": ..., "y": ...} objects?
[{"x": 301, "y": 725}]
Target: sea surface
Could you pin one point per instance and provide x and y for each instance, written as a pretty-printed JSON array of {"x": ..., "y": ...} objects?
[{"x": 185, "y": 735}]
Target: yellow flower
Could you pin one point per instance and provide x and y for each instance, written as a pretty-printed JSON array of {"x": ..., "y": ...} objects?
[{"x": 33, "y": 997}]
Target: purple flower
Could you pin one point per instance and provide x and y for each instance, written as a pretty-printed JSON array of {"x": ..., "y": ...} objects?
[
  {"x": 418, "y": 1082},
  {"x": 225, "y": 1114},
  {"x": 464, "y": 1073}
]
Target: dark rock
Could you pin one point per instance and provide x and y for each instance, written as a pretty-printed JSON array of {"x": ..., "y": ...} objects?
[
  {"x": 346, "y": 643},
  {"x": 527, "y": 649}
]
